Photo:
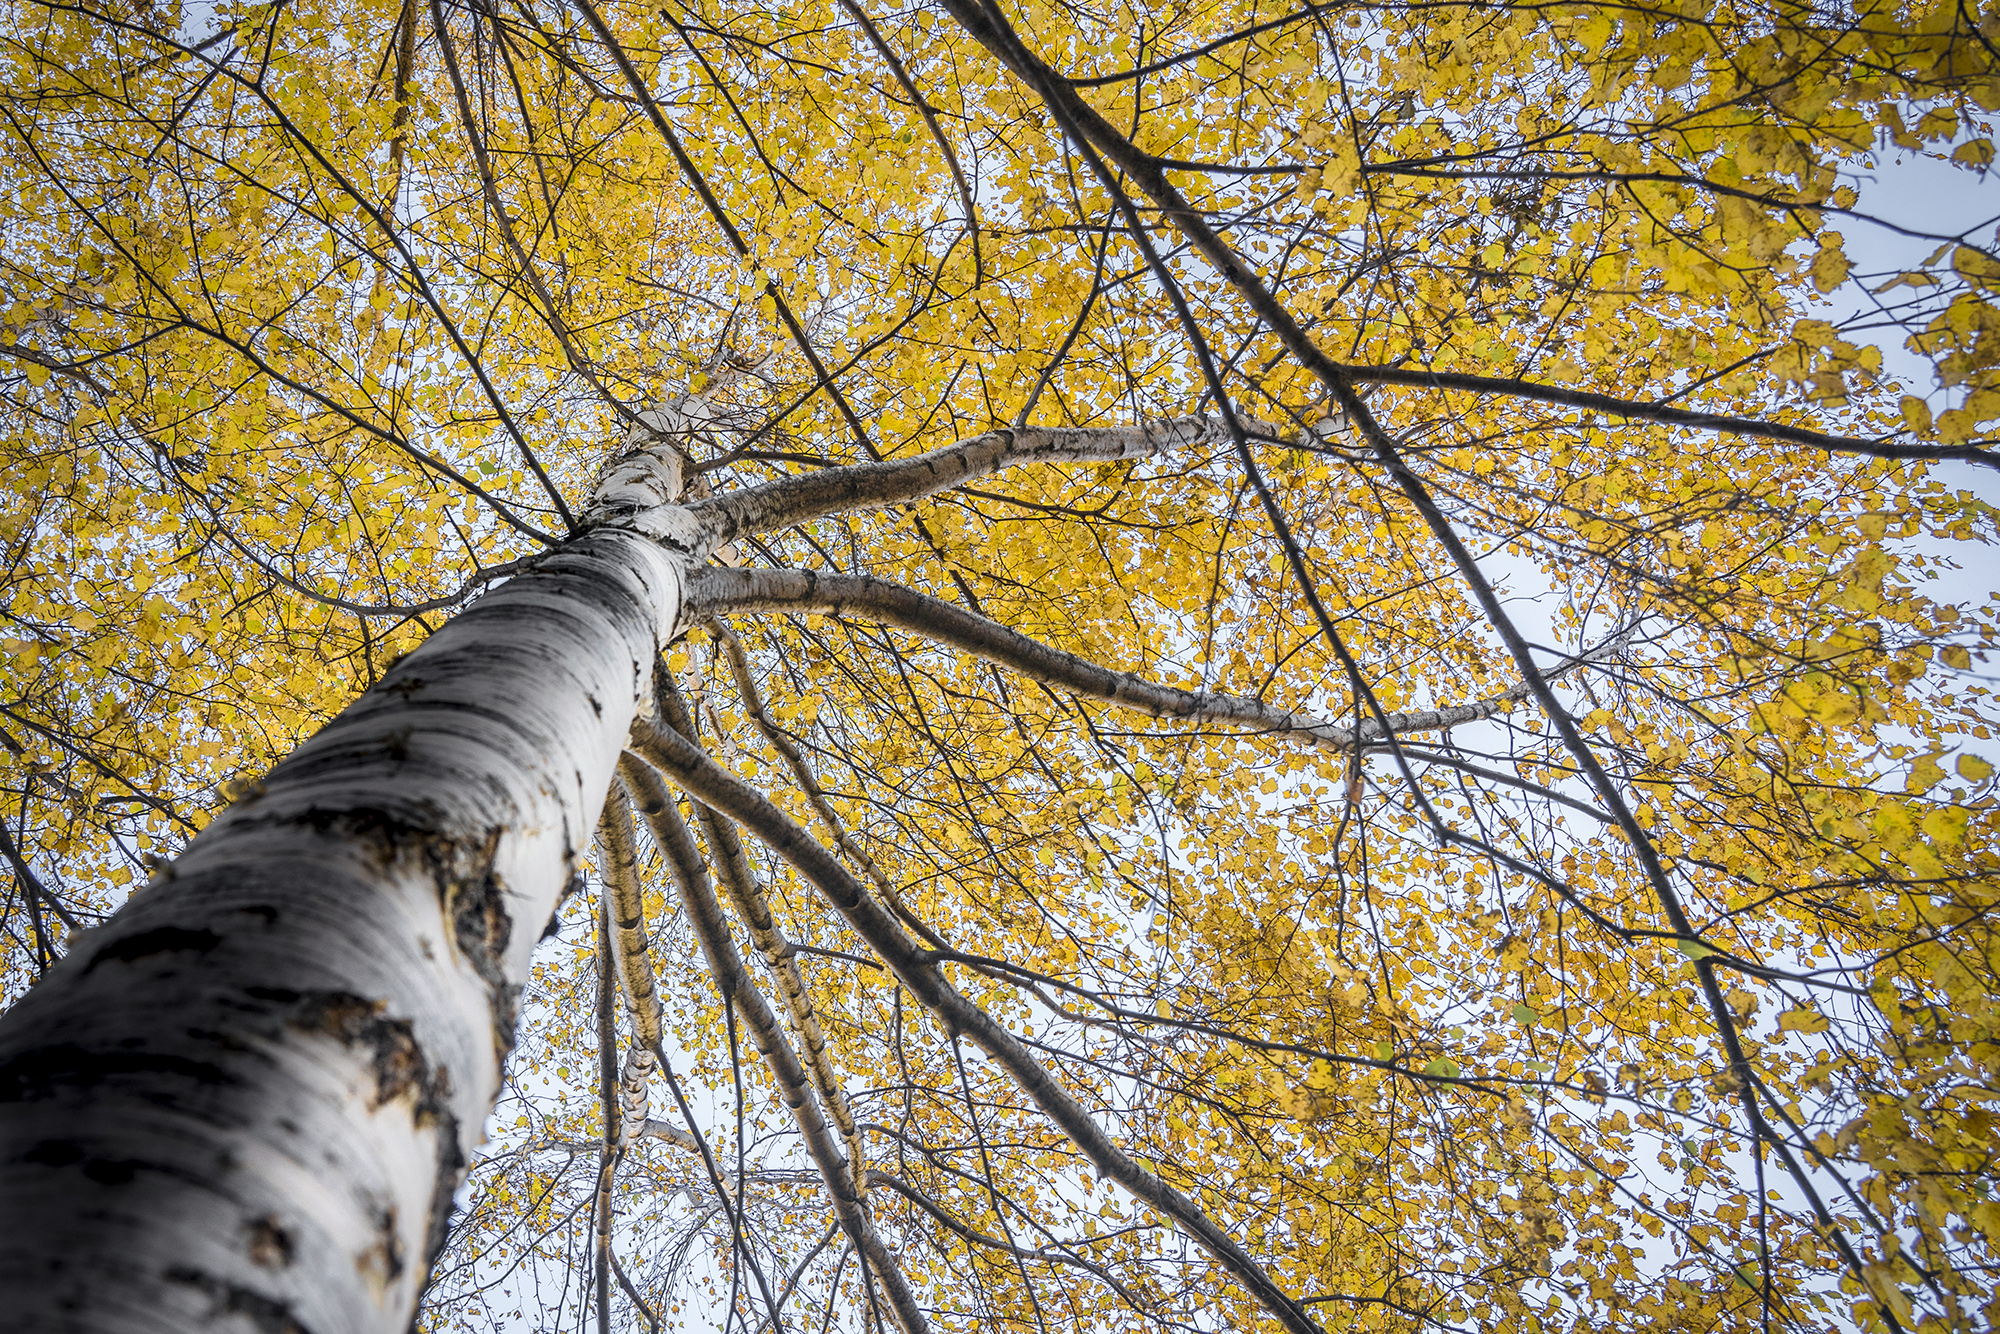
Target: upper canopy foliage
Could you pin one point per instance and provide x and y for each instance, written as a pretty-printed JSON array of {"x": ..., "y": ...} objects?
[{"x": 1659, "y": 995}]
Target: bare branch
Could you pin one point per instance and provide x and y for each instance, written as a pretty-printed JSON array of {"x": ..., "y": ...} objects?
[
  {"x": 733, "y": 980},
  {"x": 1663, "y": 413},
  {"x": 746, "y": 892},
  {"x": 796, "y": 500},
  {"x": 707, "y": 781},
  {"x": 716, "y": 589},
  {"x": 746, "y": 685}
]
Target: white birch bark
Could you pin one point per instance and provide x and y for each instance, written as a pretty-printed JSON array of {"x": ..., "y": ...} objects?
[
  {"x": 618, "y": 867},
  {"x": 244, "y": 1102}
]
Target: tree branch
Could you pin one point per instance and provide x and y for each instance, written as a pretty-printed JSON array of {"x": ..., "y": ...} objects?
[
  {"x": 753, "y": 700},
  {"x": 632, "y": 964},
  {"x": 796, "y": 500},
  {"x": 732, "y": 979},
  {"x": 490, "y": 187},
  {"x": 32, "y": 887},
  {"x": 608, "y": 1151},
  {"x": 746, "y": 892},
  {"x": 715, "y": 589},
  {"x": 1665, "y": 414},
  {"x": 707, "y": 781}
]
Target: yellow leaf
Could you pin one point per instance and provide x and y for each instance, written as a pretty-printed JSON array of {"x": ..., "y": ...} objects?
[
  {"x": 1976, "y": 153},
  {"x": 1342, "y": 172},
  {"x": 1956, "y": 426},
  {"x": 1945, "y": 826},
  {"x": 1592, "y": 32},
  {"x": 1894, "y": 825},
  {"x": 1830, "y": 268}
]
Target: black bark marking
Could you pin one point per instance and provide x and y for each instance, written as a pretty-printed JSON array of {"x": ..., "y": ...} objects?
[
  {"x": 270, "y": 1243},
  {"x": 477, "y": 903},
  {"x": 397, "y": 1062},
  {"x": 61, "y": 1153},
  {"x": 400, "y": 1069},
  {"x": 112, "y": 1171},
  {"x": 43, "y": 1072},
  {"x": 382, "y": 1262},
  {"x": 160, "y": 940},
  {"x": 267, "y": 1314},
  {"x": 389, "y": 836},
  {"x": 450, "y": 1169},
  {"x": 482, "y": 925},
  {"x": 473, "y": 896}
]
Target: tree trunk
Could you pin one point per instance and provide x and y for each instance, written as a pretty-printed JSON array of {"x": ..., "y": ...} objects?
[{"x": 246, "y": 1100}]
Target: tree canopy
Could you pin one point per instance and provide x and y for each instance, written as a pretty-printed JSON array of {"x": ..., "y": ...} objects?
[{"x": 1490, "y": 813}]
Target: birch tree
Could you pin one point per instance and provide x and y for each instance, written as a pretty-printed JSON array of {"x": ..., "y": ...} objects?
[{"x": 1027, "y": 667}]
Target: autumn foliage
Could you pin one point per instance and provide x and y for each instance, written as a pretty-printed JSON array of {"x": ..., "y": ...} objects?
[{"x": 1658, "y": 991}]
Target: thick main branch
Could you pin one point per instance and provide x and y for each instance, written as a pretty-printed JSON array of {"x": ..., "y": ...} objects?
[{"x": 796, "y": 500}]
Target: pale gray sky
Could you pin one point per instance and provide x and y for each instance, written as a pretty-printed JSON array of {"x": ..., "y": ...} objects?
[{"x": 1924, "y": 195}]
